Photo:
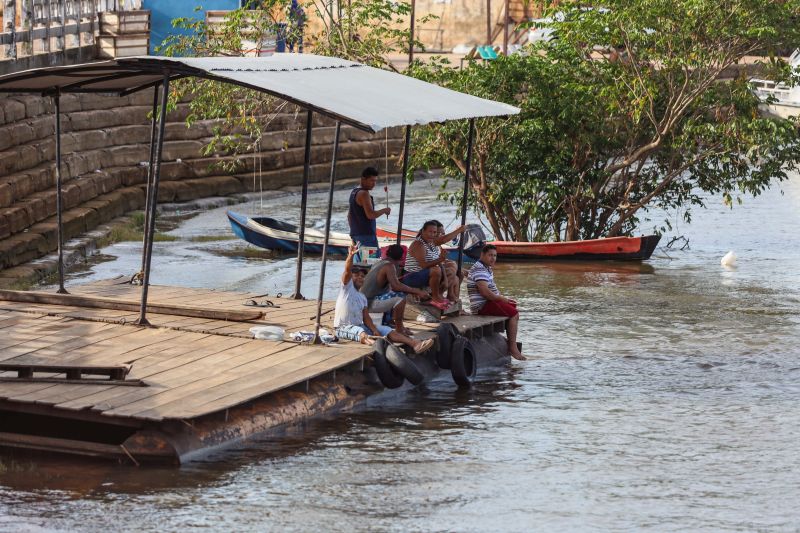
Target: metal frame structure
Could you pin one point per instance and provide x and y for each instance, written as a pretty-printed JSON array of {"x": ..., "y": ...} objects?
[{"x": 139, "y": 74}]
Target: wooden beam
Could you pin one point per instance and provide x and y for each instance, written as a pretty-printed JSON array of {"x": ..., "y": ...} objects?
[{"x": 100, "y": 302}]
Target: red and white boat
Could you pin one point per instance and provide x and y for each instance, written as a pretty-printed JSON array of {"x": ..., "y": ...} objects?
[{"x": 612, "y": 248}]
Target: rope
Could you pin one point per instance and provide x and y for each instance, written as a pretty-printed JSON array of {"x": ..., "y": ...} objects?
[
  {"x": 386, "y": 165},
  {"x": 260, "y": 177}
]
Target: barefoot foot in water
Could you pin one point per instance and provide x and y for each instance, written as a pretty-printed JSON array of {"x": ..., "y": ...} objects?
[{"x": 518, "y": 356}]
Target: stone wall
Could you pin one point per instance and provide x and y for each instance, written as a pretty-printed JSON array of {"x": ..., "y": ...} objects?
[{"x": 105, "y": 141}]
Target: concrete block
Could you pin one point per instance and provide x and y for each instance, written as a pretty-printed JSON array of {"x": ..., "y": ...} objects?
[
  {"x": 71, "y": 195},
  {"x": 5, "y": 229},
  {"x": 6, "y": 194},
  {"x": 49, "y": 232},
  {"x": 88, "y": 189},
  {"x": 13, "y": 109}
]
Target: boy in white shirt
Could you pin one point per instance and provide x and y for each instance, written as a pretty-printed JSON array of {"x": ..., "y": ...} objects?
[{"x": 351, "y": 319}]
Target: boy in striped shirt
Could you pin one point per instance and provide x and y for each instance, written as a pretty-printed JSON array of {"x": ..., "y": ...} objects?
[{"x": 485, "y": 298}]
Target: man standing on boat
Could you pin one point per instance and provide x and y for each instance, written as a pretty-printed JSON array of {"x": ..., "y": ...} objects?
[
  {"x": 361, "y": 214},
  {"x": 485, "y": 298}
]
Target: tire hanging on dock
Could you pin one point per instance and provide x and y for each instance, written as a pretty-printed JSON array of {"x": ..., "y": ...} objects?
[
  {"x": 403, "y": 364},
  {"x": 464, "y": 362},
  {"x": 390, "y": 378},
  {"x": 446, "y": 334}
]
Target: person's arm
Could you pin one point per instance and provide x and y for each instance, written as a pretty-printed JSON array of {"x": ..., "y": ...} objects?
[
  {"x": 368, "y": 321},
  {"x": 363, "y": 199},
  {"x": 450, "y": 236},
  {"x": 483, "y": 289},
  {"x": 398, "y": 286},
  {"x": 418, "y": 252},
  {"x": 348, "y": 265}
]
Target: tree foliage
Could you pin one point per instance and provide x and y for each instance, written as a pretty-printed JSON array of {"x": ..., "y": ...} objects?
[
  {"x": 626, "y": 111},
  {"x": 366, "y": 31}
]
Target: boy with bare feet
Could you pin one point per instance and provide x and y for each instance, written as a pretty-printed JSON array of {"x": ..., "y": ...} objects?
[
  {"x": 485, "y": 298},
  {"x": 351, "y": 319}
]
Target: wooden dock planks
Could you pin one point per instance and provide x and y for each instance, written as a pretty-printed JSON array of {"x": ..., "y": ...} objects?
[{"x": 192, "y": 366}]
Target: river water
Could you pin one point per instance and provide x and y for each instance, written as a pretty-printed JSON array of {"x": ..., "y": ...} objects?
[{"x": 662, "y": 397}]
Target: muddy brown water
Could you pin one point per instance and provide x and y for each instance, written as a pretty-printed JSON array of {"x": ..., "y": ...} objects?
[{"x": 664, "y": 396}]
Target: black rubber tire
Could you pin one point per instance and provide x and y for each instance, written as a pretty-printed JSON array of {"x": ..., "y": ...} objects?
[
  {"x": 446, "y": 334},
  {"x": 464, "y": 362},
  {"x": 390, "y": 378},
  {"x": 404, "y": 365}
]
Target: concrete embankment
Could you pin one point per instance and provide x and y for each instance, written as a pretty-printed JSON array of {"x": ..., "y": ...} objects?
[{"x": 105, "y": 144}]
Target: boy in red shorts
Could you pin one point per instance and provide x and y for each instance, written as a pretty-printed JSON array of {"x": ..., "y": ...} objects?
[{"x": 485, "y": 298}]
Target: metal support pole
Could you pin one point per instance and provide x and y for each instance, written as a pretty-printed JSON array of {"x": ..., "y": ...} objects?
[
  {"x": 470, "y": 140},
  {"x": 156, "y": 172},
  {"x": 148, "y": 200},
  {"x": 64, "y": 25},
  {"x": 488, "y": 21},
  {"x": 505, "y": 29},
  {"x": 59, "y": 201},
  {"x": 303, "y": 208},
  {"x": 327, "y": 233},
  {"x": 411, "y": 37},
  {"x": 406, "y": 155}
]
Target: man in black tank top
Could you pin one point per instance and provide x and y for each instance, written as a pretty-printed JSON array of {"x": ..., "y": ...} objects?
[{"x": 361, "y": 214}]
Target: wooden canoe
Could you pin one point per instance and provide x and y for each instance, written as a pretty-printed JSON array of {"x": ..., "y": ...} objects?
[{"x": 612, "y": 248}]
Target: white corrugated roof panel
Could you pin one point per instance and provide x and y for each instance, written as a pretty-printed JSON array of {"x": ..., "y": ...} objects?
[{"x": 364, "y": 96}]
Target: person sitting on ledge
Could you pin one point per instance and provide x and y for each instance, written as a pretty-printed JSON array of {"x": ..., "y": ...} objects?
[
  {"x": 452, "y": 277},
  {"x": 385, "y": 292},
  {"x": 424, "y": 264},
  {"x": 351, "y": 319},
  {"x": 485, "y": 298}
]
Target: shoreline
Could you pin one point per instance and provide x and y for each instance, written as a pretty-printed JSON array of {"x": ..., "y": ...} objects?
[{"x": 81, "y": 249}]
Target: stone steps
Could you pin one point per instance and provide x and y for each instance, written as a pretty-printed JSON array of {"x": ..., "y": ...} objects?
[{"x": 104, "y": 142}]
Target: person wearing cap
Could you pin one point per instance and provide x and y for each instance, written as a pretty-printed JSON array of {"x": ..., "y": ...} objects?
[
  {"x": 361, "y": 213},
  {"x": 351, "y": 318}
]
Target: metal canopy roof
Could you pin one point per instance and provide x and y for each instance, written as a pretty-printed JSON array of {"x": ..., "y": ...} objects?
[{"x": 365, "y": 97}]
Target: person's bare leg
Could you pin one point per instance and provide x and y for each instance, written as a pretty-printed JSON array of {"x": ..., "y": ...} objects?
[
  {"x": 452, "y": 280},
  {"x": 434, "y": 282},
  {"x": 512, "y": 325},
  {"x": 397, "y": 315}
]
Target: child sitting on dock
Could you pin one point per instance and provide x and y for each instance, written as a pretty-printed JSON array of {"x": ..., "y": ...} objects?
[
  {"x": 452, "y": 277},
  {"x": 384, "y": 290},
  {"x": 485, "y": 298},
  {"x": 351, "y": 318}
]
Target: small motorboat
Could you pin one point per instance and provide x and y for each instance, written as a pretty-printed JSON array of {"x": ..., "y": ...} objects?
[
  {"x": 272, "y": 234},
  {"x": 612, "y": 248}
]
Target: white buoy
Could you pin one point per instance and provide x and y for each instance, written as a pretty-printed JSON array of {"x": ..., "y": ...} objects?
[{"x": 729, "y": 260}]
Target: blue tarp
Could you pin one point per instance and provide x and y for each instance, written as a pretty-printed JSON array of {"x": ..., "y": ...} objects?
[{"x": 162, "y": 12}]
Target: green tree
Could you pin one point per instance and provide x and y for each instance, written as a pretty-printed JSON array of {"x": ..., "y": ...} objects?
[
  {"x": 626, "y": 111},
  {"x": 366, "y": 31}
]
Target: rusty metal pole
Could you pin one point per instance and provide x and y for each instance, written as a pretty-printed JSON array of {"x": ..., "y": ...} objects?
[
  {"x": 156, "y": 172},
  {"x": 470, "y": 141},
  {"x": 505, "y": 29},
  {"x": 149, "y": 189},
  {"x": 298, "y": 277},
  {"x": 411, "y": 36},
  {"x": 406, "y": 155},
  {"x": 59, "y": 196},
  {"x": 327, "y": 233}
]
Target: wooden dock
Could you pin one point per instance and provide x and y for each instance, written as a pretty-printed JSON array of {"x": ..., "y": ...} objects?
[{"x": 87, "y": 380}]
